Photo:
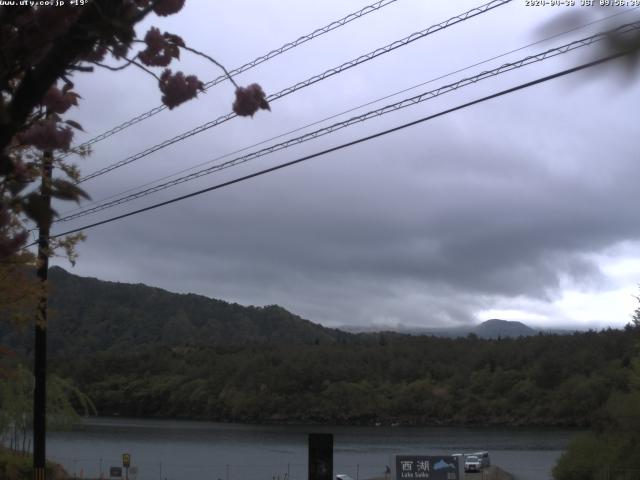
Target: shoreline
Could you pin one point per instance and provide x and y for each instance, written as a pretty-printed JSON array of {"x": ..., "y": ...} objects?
[{"x": 311, "y": 422}]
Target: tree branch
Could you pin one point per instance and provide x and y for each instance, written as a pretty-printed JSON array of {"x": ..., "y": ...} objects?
[
  {"x": 115, "y": 69},
  {"x": 65, "y": 51},
  {"x": 197, "y": 52},
  {"x": 80, "y": 68},
  {"x": 130, "y": 61}
]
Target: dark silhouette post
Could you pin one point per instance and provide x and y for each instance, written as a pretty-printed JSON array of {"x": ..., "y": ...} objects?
[
  {"x": 320, "y": 456},
  {"x": 40, "y": 349}
]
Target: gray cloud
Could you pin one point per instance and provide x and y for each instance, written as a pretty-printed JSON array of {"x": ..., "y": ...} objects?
[{"x": 424, "y": 227}]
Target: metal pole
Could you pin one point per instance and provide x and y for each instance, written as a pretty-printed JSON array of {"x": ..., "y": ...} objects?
[
  {"x": 40, "y": 349},
  {"x": 357, "y": 471},
  {"x": 320, "y": 462},
  {"x": 227, "y": 471}
]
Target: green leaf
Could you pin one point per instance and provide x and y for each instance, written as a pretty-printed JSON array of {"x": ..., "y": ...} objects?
[
  {"x": 74, "y": 124},
  {"x": 65, "y": 190}
]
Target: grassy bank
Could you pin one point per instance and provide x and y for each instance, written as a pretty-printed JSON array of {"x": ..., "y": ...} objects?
[{"x": 19, "y": 466}]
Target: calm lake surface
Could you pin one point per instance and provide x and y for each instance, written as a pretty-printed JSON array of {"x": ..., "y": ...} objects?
[{"x": 184, "y": 450}]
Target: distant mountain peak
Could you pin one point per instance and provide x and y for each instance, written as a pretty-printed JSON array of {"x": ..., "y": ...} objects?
[
  {"x": 493, "y": 328},
  {"x": 498, "y": 321},
  {"x": 496, "y": 327}
]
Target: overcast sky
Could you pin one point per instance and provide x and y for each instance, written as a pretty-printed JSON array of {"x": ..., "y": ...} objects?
[{"x": 521, "y": 208}]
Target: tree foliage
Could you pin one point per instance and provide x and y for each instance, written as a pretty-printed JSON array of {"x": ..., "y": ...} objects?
[
  {"x": 19, "y": 289},
  {"x": 19, "y": 466},
  {"x": 409, "y": 380},
  {"x": 138, "y": 350},
  {"x": 41, "y": 48},
  {"x": 65, "y": 404},
  {"x": 612, "y": 449}
]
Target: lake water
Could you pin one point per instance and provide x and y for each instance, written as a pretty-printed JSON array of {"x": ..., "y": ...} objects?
[{"x": 184, "y": 450}]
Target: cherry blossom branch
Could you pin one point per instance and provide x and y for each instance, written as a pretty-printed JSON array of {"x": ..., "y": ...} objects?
[
  {"x": 121, "y": 67},
  {"x": 81, "y": 68},
  {"x": 144, "y": 12},
  {"x": 211, "y": 59},
  {"x": 130, "y": 61},
  {"x": 113, "y": 69},
  {"x": 134, "y": 19}
]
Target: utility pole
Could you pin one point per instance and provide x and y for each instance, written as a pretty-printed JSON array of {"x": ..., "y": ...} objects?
[
  {"x": 40, "y": 351},
  {"x": 320, "y": 456}
]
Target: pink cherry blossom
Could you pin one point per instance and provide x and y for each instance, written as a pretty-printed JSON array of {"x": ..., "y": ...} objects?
[
  {"x": 58, "y": 102},
  {"x": 161, "y": 48},
  {"x": 154, "y": 40},
  {"x": 249, "y": 100},
  {"x": 168, "y": 7},
  {"x": 177, "y": 88},
  {"x": 47, "y": 135},
  {"x": 97, "y": 53}
]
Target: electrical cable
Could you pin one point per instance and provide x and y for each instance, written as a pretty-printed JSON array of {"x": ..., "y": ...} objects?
[
  {"x": 331, "y": 117},
  {"x": 247, "y": 66},
  {"x": 348, "y": 144},
  {"x": 305, "y": 83},
  {"x": 529, "y": 60}
]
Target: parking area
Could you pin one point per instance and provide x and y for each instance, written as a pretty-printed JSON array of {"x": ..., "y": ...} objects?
[{"x": 489, "y": 473}]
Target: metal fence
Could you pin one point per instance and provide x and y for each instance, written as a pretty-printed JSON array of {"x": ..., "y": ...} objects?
[
  {"x": 91, "y": 468},
  {"x": 94, "y": 469}
]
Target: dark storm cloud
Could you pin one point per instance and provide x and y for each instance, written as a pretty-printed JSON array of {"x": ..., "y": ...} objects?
[{"x": 422, "y": 241}]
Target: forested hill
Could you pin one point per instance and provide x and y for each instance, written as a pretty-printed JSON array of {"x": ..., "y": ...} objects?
[
  {"x": 567, "y": 380},
  {"x": 89, "y": 315},
  {"x": 143, "y": 351}
]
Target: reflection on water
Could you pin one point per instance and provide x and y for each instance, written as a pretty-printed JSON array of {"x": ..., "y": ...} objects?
[{"x": 184, "y": 450}]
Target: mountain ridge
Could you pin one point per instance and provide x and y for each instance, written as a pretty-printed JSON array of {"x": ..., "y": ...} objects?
[
  {"x": 489, "y": 329},
  {"x": 88, "y": 315}
]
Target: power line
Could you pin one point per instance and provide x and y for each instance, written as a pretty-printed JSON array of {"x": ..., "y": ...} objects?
[
  {"x": 372, "y": 114},
  {"x": 247, "y": 66},
  {"x": 352, "y": 109},
  {"x": 507, "y": 67},
  {"x": 305, "y": 83},
  {"x": 348, "y": 144}
]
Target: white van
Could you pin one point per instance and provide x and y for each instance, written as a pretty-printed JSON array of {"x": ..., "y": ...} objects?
[{"x": 472, "y": 463}]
